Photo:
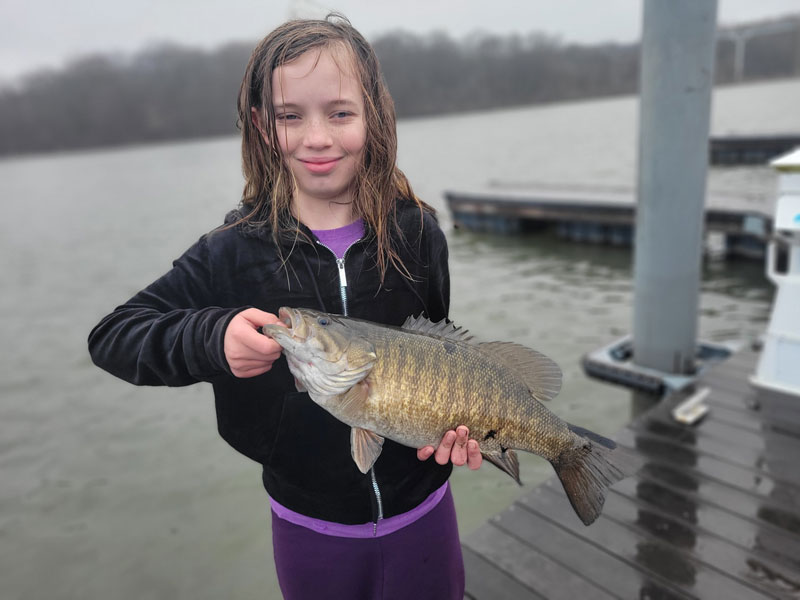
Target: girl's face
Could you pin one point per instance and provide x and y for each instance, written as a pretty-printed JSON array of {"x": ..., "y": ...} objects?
[{"x": 319, "y": 120}]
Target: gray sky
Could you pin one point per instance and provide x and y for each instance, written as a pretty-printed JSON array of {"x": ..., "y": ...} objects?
[{"x": 46, "y": 33}]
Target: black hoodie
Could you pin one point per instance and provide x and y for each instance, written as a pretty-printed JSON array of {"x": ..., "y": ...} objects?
[{"x": 171, "y": 333}]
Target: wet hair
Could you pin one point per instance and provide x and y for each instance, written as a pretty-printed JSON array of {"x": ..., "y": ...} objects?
[{"x": 269, "y": 184}]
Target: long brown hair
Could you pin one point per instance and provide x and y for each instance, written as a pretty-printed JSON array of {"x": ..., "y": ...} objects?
[{"x": 269, "y": 184}]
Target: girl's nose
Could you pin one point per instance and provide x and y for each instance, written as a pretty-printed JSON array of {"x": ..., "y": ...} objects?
[{"x": 317, "y": 134}]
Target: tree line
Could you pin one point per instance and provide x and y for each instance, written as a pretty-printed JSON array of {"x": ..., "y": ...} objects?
[{"x": 173, "y": 92}]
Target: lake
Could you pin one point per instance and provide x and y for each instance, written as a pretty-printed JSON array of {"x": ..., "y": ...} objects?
[{"x": 114, "y": 491}]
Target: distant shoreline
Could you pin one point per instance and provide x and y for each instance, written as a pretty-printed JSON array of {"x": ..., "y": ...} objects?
[{"x": 234, "y": 133}]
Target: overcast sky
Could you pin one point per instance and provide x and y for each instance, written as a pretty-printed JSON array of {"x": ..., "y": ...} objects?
[{"x": 46, "y": 33}]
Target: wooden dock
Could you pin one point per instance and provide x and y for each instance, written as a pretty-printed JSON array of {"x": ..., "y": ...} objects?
[
  {"x": 735, "y": 225},
  {"x": 714, "y": 513}
]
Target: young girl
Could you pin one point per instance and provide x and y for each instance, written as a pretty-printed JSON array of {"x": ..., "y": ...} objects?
[{"x": 327, "y": 221}]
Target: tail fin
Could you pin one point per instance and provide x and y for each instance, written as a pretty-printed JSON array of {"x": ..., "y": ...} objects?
[{"x": 589, "y": 468}]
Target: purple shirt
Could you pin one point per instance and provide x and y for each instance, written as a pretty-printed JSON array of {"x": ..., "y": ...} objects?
[{"x": 340, "y": 239}]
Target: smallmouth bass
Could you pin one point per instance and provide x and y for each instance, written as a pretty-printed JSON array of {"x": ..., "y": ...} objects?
[{"x": 413, "y": 383}]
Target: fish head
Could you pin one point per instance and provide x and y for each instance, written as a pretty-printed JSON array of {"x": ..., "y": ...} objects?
[{"x": 324, "y": 351}]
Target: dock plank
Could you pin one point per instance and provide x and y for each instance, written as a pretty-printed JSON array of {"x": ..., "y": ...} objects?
[
  {"x": 665, "y": 464},
  {"x": 526, "y": 564},
  {"x": 690, "y": 446},
  {"x": 486, "y": 580},
  {"x": 762, "y": 510},
  {"x": 755, "y": 421}
]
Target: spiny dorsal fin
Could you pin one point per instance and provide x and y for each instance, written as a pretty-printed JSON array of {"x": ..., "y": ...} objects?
[
  {"x": 441, "y": 329},
  {"x": 540, "y": 374}
]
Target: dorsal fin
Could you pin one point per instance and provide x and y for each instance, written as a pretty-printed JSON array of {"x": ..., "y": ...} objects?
[
  {"x": 540, "y": 373},
  {"x": 441, "y": 329}
]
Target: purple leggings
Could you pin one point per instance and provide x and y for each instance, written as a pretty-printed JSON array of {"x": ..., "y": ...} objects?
[{"x": 420, "y": 561}]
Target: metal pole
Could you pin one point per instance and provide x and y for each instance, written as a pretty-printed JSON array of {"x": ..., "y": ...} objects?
[{"x": 675, "y": 105}]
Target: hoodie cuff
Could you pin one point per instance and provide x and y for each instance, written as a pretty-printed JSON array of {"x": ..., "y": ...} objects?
[{"x": 214, "y": 340}]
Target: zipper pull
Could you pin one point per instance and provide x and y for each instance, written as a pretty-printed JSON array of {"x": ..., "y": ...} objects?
[{"x": 342, "y": 274}]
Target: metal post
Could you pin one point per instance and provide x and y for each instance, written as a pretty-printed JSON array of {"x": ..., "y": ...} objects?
[{"x": 676, "y": 83}]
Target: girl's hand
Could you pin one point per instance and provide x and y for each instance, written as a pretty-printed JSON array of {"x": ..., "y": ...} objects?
[
  {"x": 455, "y": 447},
  {"x": 249, "y": 352}
]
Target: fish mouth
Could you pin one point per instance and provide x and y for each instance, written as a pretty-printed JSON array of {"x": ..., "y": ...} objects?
[
  {"x": 287, "y": 318},
  {"x": 293, "y": 330}
]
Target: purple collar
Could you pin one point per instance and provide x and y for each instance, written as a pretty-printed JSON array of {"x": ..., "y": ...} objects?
[{"x": 340, "y": 239}]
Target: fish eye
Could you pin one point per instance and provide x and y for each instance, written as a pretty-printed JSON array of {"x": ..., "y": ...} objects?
[{"x": 322, "y": 321}]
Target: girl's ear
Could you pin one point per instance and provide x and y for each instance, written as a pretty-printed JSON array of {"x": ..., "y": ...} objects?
[{"x": 255, "y": 116}]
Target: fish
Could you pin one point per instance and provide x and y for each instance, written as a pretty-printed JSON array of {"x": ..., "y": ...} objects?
[{"x": 413, "y": 383}]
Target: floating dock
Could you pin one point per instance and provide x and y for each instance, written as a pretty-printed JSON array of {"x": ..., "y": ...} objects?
[
  {"x": 749, "y": 150},
  {"x": 714, "y": 513},
  {"x": 735, "y": 225}
]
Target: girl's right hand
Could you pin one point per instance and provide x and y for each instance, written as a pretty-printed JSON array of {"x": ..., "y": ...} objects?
[{"x": 249, "y": 352}]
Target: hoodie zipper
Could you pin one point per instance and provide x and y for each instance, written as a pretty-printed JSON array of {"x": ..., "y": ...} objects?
[{"x": 343, "y": 293}]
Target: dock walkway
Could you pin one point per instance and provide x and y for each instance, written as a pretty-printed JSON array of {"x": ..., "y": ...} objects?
[{"x": 714, "y": 513}]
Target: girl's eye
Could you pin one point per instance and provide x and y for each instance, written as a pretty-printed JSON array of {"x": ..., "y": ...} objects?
[
  {"x": 286, "y": 117},
  {"x": 341, "y": 114}
]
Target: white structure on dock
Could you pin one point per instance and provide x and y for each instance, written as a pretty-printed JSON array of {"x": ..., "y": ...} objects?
[{"x": 779, "y": 367}]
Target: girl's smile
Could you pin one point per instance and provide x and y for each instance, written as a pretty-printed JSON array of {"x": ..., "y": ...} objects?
[{"x": 320, "y": 165}]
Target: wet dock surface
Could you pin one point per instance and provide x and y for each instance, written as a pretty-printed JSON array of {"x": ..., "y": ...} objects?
[{"x": 714, "y": 512}]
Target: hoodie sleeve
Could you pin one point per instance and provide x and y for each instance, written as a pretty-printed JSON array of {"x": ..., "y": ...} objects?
[{"x": 170, "y": 333}]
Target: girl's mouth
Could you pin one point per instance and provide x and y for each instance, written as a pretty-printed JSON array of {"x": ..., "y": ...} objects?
[{"x": 320, "y": 166}]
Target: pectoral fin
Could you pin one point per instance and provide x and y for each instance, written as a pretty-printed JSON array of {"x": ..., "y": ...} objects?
[
  {"x": 353, "y": 400},
  {"x": 505, "y": 460},
  {"x": 365, "y": 446}
]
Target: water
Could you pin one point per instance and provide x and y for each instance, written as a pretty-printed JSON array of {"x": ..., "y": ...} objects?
[{"x": 109, "y": 490}]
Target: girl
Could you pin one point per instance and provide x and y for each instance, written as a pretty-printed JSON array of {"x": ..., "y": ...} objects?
[{"x": 326, "y": 221}]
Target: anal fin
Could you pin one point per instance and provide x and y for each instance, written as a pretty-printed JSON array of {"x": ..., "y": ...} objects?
[{"x": 505, "y": 460}]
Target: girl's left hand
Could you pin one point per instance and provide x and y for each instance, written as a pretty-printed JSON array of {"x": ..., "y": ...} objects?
[{"x": 455, "y": 447}]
